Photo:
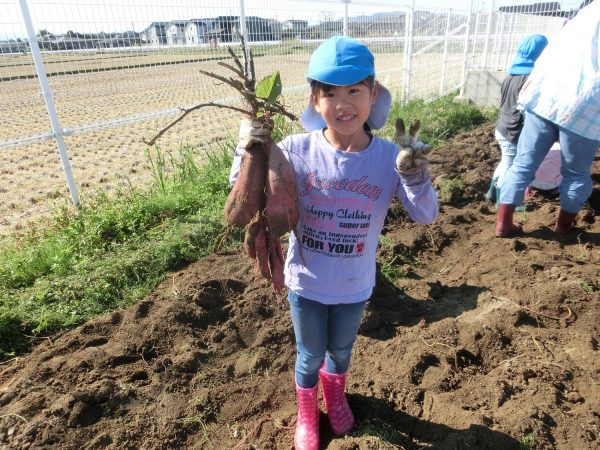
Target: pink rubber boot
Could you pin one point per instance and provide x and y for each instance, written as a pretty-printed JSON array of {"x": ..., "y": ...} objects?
[
  {"x": 338, "y": 410},
  {"x": 307, "y": 425}
]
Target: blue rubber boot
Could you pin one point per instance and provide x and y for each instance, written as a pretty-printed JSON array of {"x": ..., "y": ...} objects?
[{"x": 491, "y": 193}]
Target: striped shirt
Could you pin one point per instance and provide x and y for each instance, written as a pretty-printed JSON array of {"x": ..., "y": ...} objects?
[{"x": 564, "y": 86}]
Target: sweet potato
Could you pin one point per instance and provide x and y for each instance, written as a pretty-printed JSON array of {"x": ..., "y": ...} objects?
[
  {"x": 262, "y": 253},
  {"x": 282, "y": 195},
  {"x": 276, "y": 264},
  {"x": 247, "y": 196},
  {"x": 250, "y": 238}
]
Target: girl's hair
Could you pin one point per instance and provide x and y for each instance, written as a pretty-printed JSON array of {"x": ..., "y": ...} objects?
[{"x": 316, "y": 87}]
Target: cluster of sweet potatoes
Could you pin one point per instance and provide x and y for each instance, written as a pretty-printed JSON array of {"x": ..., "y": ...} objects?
[
  {"x": 264, "y": 196},
  {"x": 264, "y": 200}
]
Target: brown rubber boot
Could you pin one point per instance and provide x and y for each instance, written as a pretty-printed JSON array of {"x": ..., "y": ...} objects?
[
  {"x": 505, "y": 227},
  {"x": 565, "y": 222}
]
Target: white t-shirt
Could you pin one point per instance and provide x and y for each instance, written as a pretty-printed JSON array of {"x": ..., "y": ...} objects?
[{"x": 343, "y": 198}]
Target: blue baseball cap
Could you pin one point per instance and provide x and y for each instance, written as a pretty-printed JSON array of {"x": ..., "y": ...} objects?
[
  {"x": 342, "y": 61},
  {"x": 529, "y": 50}
]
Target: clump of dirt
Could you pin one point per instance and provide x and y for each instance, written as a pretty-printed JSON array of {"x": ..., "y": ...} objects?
[{"x": 484, "y": 343}]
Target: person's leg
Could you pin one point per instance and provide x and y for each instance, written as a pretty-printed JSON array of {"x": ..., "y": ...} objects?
[
  {"x": 535, "y": 141},
  {"x": 342, "y": 327},
  {"x": 310, "y": 328},
  {"x": 508, "y": 152},
  {"x": 536, "y": 138},
  {"x": 501, "y": 168},
  {"x": 577, "y": 156},
  {"x": 344, "y": 321}
]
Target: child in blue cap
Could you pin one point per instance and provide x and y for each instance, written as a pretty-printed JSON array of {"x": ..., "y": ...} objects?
[
  {"x": 510, "y": 119},
  {"x": 346, "y": 179}
]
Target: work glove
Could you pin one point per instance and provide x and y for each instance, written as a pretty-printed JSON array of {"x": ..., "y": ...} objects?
[
  {"x": 254, "y": 131},
  {"x": 412, "y": 163}
]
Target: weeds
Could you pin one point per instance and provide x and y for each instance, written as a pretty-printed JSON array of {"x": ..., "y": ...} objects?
[
  {"x": 585, "y": 250},
  {"x": 199, "y": 420},
  {"x": 392, "y": 260},
  {"x": 587, "y": 286},
  {"x": 527, "y": 441},
  {"x": 441, "y": 118},
  {"x": 389, "y": 268},
  {"x": 450, "y": 189},
  {"x": 383, "y": 432}
]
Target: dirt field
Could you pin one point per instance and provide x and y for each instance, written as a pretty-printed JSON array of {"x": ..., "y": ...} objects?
[{"x": 485, "y": 343}]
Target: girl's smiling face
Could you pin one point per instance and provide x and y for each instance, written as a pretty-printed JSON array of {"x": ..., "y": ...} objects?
[{"x": 345, "y": 109}]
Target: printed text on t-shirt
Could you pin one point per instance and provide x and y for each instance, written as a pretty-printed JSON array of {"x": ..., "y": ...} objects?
[{"x": 360, "y": 186}]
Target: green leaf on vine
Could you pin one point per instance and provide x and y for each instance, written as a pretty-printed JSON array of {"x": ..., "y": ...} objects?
[{"x": 269, "y": 88}]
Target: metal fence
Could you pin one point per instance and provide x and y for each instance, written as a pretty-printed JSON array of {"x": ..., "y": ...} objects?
[{"x": 94, "y": 79}]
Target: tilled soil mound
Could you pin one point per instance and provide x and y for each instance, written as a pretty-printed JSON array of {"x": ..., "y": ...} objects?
[{"x": 484, "y": 343}]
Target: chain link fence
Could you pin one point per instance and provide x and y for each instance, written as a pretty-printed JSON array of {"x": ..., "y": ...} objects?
[{"x": 112, "y": 74}]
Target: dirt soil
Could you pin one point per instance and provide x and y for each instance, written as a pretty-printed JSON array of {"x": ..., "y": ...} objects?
[{"x": 485, "y": 343}]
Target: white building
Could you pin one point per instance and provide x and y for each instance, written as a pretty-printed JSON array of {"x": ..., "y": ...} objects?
[
  {"x": 175, "y": 32},
  {"x": 294, "y": 28},
  {"x": 154, "y": 34},
  {"x": 196, "y": 31}
]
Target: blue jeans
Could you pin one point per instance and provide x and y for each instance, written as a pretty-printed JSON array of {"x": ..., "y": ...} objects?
[
  {"x": 508, "y": 152},
  {"x": 577, "y": 156},
  {"x": 323, "y": 333}
]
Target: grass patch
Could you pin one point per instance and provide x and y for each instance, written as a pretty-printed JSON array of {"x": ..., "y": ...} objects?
[
  {"x": 587, "y": 286},
  {"x": 527, "y": 441},
  {"x": 393, "y": 258},
  {"x": 449, "y": 189},
  {"x": 115, "y": 251},
  {"x": 441, "y": 119},
  {"x": 390, "y": 262}
]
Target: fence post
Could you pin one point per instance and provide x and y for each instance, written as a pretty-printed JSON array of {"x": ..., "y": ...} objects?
[
  {"x": 445, "y": 57},
  {"x": 463, "y": 73},
  {"x": 475, "y": 33},
  {"x": 487, "y": 34},
  {"x": 243, "y": 28},
  {"x": 51, "y": 108},
  {"x": 345, "y": 2},
  {"x": 509, "y": 39},
  {"x": 408, "y": 35},
  {"x": 498, "y": 38}
]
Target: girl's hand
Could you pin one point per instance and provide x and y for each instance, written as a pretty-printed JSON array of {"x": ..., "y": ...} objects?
[
  {"x": 412, "y": 161},
  {"x": 254, "y": 131}
]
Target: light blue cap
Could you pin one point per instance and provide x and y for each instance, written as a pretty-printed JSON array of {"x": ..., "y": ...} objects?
[
  {"x": 342, "y": 61},
  {"x": 530, "y": 48}
]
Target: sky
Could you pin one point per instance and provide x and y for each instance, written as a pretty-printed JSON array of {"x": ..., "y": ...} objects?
[{"x": 58, "y": 16}]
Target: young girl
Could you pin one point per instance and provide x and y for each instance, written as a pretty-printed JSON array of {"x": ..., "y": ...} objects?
[{"x": 346, "y": 180}]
